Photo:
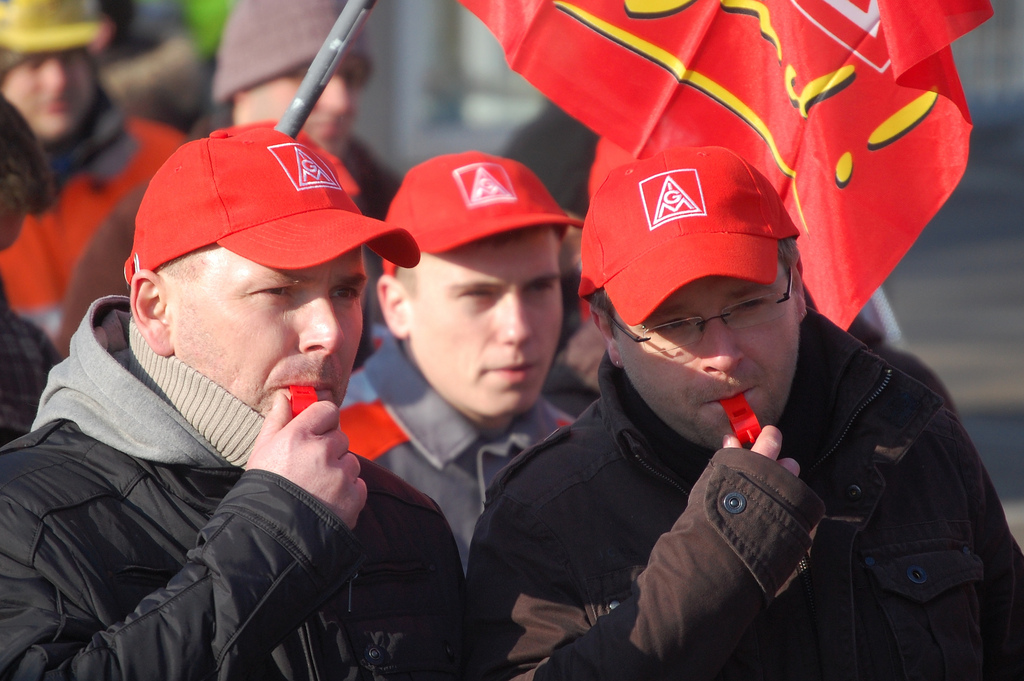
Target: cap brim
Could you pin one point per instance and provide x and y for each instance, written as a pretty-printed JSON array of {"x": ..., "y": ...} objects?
[
  {"x": 437, "y": 243},
  {"x": 457, "y": 235},
  {"x": 313, "y": 238},
  {"x": 639, "y": 288}
]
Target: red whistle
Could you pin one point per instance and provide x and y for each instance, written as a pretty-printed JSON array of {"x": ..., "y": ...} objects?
[
  {"x": 302, "y": 397},
  {"x": 741, "y": 417}
]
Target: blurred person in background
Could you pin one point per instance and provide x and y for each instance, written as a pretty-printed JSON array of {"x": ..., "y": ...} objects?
[
  {"x": 48, "y": 71},
  {"x": 453, "y": 393},
  {"x": 153, "y": 66},
  {"x": 265, "y": 50},
  {"x": 26, "y": 355}
]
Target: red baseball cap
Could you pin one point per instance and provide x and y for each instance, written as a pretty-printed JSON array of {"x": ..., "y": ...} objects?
[
  {"x": 454, "y": 199},
  {"x": 262, "y": 195},
  {"x": 659, "y": 223}
]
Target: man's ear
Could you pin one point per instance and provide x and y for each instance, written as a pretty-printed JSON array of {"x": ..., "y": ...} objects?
[
  {"x": 151, "y": 311},
  {"x": 799, "y": 292},
  {"x": 608, "y": 331},
  {"x": 395, "y": 305}
]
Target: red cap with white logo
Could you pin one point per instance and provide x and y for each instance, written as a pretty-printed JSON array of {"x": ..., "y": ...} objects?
[
  {"x": 454, "y": 199},
  {"x": 657, "y": 224},
  {"x": 262, "y": 195}
]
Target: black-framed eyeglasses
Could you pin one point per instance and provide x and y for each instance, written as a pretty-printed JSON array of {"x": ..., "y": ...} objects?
[{"x": 682, "y": 332}]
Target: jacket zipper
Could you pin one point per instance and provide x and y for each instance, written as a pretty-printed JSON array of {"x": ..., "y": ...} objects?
[
  {"x": 886, "y": 378},
  {"x": 655, "y": 472},
  {"x": 803, "y": 570},
  {"x": 353, "y": 578},
  {"x": 804, "y": 566}
]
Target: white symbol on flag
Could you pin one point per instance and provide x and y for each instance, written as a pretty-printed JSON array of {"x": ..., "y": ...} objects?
[
  {"x": 851, "y": 24},
  {"x": 487, "y": 183},
  {"x": 673, "y": 201},
  {"x": 308, "y": 172}
]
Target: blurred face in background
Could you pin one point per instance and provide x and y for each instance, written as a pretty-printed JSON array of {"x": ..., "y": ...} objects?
[
  {"x": 333, "y": 116},
  {"x": 54, "y": 91}
]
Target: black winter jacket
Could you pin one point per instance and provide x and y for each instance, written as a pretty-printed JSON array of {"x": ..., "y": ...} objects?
[
  {"x": 113, "y": 567},
  {"x": 594, "y": 559}
]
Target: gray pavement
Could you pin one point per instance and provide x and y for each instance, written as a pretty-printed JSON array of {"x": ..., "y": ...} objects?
[{"x": 958, "y": 296}]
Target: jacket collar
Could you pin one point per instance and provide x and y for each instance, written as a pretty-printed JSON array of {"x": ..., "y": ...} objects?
[
  {"x": 865, "y": 395},
  {"x": 628, "y": 437}
]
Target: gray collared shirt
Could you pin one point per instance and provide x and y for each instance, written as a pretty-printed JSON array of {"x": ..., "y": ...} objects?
[{"x": 446, "y": 457}]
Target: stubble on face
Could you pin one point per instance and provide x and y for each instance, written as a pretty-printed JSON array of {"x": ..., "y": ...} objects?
[
  {"x": 691, "y": 408},
  {"x": 685, "y": 390},
  {"x": 251, "y": 356}
]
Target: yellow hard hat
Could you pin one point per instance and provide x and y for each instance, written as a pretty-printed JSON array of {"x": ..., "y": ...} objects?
[{"x": 47, "y": 25}]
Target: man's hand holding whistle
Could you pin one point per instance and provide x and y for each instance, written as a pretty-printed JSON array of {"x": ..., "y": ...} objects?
[
  {"x": 766, "y": 441},
  {"x": 309, "y": 449}
]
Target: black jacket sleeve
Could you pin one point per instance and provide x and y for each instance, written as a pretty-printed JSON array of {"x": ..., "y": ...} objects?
[
  {"x": 705, "y": 581},
  {"x": 269, "y": 556}
]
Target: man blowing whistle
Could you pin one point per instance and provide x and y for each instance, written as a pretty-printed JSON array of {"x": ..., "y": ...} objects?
[
  {"x": 643, "y": 542},
  {"x": 168, "y": 518}
]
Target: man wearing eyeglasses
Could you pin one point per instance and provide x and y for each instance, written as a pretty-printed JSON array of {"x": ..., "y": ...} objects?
[{"x": 858, "y": 538}]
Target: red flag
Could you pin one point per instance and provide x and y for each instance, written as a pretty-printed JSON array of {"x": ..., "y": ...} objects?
[{"x": 852, "y": 108}]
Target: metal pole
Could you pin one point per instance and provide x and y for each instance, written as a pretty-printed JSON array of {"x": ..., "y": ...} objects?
[
  {"x": 324, "y": 65},
  {"x": 885, "y": 317}
]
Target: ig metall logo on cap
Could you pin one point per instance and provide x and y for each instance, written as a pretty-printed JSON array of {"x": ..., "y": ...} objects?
[
  {"x": 482, "y": 184},
  {"x": 303, "y": 168},
  {"x": 672, "y": 195}
]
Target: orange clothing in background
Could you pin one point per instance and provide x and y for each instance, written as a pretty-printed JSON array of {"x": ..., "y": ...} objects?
[{"x": 37, "y": 267}]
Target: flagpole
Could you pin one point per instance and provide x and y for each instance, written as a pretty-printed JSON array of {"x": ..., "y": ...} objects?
[{"x": 324, "y": 65}]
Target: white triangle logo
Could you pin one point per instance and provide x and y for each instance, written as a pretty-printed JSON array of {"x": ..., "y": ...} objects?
[
  {"x": 304, "y": 169},
  {"x": 311, "y": 173},
  {"x": 672, "y": 195},
  {"x": 674, "y": 203},
  {"x": 486, "y": 188},
  {"x": 482, "y": 184}
]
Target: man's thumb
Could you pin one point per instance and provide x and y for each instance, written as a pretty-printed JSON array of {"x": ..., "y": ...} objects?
[{"x": 277, "y": 418}]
